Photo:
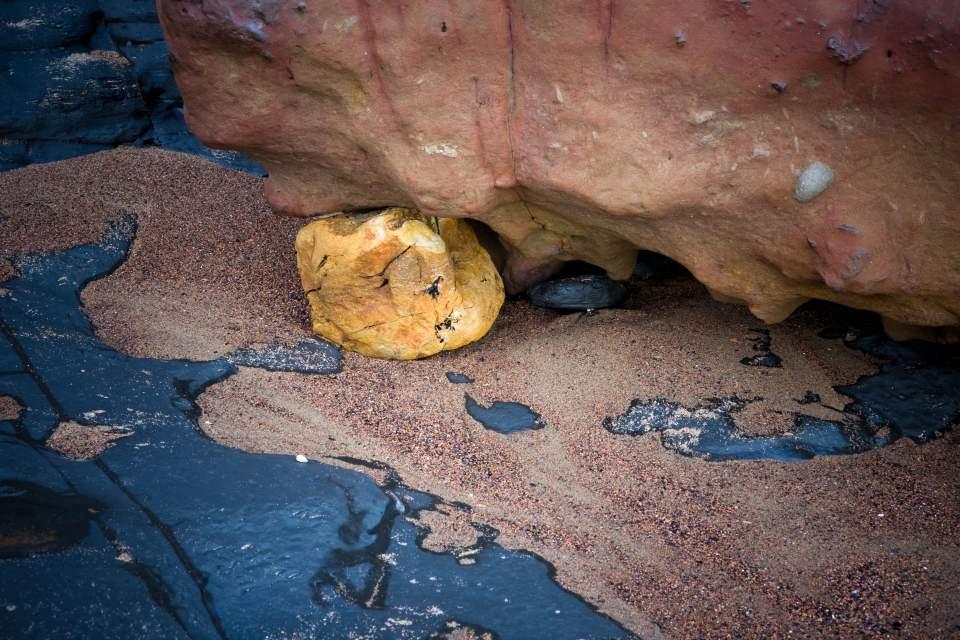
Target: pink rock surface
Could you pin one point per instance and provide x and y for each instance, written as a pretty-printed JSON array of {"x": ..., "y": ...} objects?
[{"x": 586, "y": 130}]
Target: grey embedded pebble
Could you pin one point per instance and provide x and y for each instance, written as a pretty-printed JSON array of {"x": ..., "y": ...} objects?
[
  {"x": 578, "y": 293},
  {"x": 813, "y": 181}
]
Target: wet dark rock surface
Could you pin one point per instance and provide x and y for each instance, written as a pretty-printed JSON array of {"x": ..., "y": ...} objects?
[
  {"x": 81, "y": 76},
  {"x": 172, "y": 535},
  {"x": 578, "y": 293},
  {"x": 917, "y": 392},
  {"x": 504, "y": 417},
  {"x": 38, "y": 520},
  {"x": 72, "y": 96},
  {"x": 45, "y": 24},
  {"x": 708, "y": 431},
  {"x": 315, "y": 356},
  {"x": 764, "y": 357},
  {"x": 916, "y": 395}
]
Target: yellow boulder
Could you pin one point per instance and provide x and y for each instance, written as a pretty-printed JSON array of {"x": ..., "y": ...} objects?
[{"x": 396, "y": 284}]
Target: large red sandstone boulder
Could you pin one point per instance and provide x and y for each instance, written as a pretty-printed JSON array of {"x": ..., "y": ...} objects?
[{"x": 586, "y": 130}]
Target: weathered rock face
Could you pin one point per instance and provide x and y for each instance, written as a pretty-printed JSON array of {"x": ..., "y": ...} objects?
[
  {"x": 80, "y": 76},
  {"x": 396, "y": 284},
  {"x": 587, "y": 130}
]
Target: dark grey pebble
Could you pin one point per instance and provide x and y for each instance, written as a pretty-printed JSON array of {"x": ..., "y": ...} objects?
[{"x": 578, "y": 293}]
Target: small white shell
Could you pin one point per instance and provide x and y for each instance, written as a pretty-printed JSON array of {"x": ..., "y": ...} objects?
[{"x": 813, "y": 181}]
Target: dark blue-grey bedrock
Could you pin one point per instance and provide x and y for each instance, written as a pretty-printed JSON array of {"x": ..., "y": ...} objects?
[
  {"x": 82, "y": 76},
  {"x": 170, "y": 535},
  {"x": 915, "y": 394}
]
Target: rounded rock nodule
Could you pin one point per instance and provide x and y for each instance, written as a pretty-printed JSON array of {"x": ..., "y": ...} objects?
[
  {"x": 578, "y": 293},
  {"x": 396, "y": 284},
  {"x": 812, "y": 181}
]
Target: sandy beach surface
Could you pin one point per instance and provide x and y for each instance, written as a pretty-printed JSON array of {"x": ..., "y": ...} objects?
[{"x": 862, "y": 545}]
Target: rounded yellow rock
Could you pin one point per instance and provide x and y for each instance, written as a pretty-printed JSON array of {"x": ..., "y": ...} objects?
[{"x": 396, "y": 284}]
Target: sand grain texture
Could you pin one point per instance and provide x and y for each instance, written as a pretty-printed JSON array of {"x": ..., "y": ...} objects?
[
  {"x": 202, "y": 230},
  {"x": 10, "y": 409},
  {"x": 844, "y": 546},
  {"x": 79, "y": 442}
]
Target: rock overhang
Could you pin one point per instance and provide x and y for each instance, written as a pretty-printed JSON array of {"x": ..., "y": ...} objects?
[{"x": 584, "y": 131}]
